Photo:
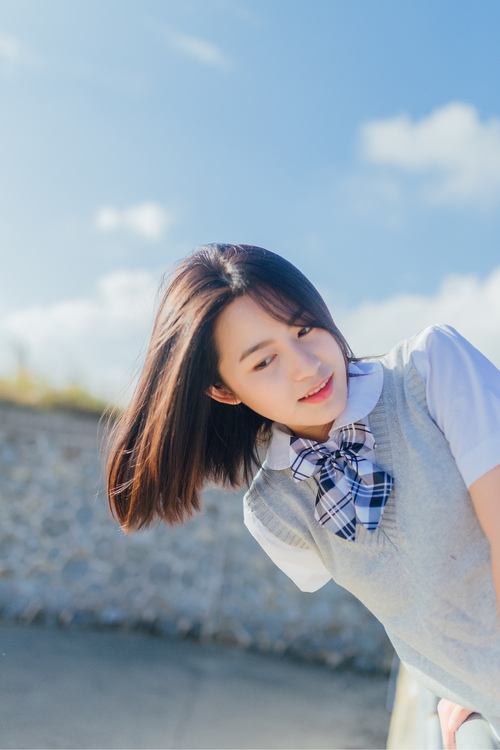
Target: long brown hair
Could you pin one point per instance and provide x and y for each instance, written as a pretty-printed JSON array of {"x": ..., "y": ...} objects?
[{"x": 173, "y": 437}]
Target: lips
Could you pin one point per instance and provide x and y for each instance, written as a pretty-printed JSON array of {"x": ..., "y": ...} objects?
[{"x": 320, "y": 392}]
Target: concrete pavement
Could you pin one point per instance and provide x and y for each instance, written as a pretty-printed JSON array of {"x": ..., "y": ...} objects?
[{"x": 87, "y": 689}]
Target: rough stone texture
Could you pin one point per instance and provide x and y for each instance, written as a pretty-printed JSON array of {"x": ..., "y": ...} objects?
[{"x": 64, "y": 561}]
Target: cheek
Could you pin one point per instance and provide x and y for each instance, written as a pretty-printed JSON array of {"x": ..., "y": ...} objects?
[
  {"x": 260, "y": 396},
  {"x": 227, "y": 376},
  {"x": 249, "y": 391},
  {"x": 257, "y": 393}
]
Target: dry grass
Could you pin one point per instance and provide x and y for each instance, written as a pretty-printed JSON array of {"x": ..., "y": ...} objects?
[{"x": 26, "y": 388}]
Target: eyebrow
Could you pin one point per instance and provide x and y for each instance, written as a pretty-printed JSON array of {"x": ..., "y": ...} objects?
[{"x": 254, "y": 348}]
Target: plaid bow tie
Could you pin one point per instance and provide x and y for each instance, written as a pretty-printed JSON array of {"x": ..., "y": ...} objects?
[{"x": 350, "y": 487}]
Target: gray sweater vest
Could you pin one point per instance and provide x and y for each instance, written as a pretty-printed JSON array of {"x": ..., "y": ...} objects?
[{"x": 425, "y": 573}]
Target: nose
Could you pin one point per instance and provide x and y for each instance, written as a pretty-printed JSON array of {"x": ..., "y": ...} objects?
[{"x": 304, "y": 363}]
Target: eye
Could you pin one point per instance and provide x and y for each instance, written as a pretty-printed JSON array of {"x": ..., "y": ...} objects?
[
  {"x": 304, "y": 331},
  {"x": 265, "y": 362}
]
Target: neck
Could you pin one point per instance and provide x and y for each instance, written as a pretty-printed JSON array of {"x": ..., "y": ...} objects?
[{"x": 318, "y": 433}]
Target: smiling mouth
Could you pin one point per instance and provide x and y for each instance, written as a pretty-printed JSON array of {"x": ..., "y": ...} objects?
[{"x": 317, "y": 390}]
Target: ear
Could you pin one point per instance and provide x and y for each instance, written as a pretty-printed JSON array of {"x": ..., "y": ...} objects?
[{"x": 223, "y": 395}]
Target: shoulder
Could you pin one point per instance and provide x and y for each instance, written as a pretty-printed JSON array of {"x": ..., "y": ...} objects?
[
  {"x": 285, "y": 507},
  {"x": 265, "y": 487},
  {"x": 439, "y": 337},
  {"x": 440, "y": 351},
  {"x": 432, "y": 353},
  {"x": 268, "y": 488},
  {"x": 436, "y": 343},
  {"x": 437, "y": 334}
]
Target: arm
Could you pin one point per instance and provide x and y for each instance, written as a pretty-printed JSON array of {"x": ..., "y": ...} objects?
[
  {"x": 463, "y": 397},
  {"x": 485, "y": 494}
]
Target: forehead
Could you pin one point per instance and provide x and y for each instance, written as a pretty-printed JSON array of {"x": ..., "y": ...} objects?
[
  {"x": 244, "y": 314},
  {"x": 241, "y": 324}
]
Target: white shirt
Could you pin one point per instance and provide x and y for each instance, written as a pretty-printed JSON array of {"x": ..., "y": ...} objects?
[{"x": 463, "y": 398}]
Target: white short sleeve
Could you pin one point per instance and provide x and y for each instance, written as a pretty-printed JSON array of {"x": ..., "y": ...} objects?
[
  {"x": 463, "y": 397},
  {"x": 303, "y": 566}
]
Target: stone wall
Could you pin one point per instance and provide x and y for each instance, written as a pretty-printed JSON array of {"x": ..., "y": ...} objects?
[{"x": 63, "y": 560}]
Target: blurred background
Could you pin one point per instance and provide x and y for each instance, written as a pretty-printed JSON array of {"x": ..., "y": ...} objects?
[{"x": 358, "y": 138}]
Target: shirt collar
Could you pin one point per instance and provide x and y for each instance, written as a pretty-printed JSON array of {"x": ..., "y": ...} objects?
[{"x": 363, "y": 394}]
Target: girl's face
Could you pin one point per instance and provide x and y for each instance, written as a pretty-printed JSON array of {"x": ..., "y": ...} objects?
[{"x": 294, "y": 375}]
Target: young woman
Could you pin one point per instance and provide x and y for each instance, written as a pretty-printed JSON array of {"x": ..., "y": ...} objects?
[{"x": 381, "y": 473}]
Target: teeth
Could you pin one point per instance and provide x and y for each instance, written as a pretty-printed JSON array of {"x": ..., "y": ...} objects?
[{"x": 320, "y": 388}]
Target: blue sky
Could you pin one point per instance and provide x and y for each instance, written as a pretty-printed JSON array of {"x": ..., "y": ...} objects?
[{"x": 358, "y": 138}]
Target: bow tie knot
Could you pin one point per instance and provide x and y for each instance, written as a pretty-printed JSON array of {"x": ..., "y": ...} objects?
[{"x": 350, "y": 486}]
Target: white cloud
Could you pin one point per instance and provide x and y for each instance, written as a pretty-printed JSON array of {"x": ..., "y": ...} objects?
[
  {"x": 198, "y": 49},
  {"x": 13, "y": 53},
  {"x": 149, "y": 220},
  {"x": 194, "y": 47},
  {"x": 456, "y": 156},
  {"x": 94, "y": 340},
  {"x": 97, "y": 340},
  {"x": 469, "y": 304},
  {"x": 10, "y": 49}
]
